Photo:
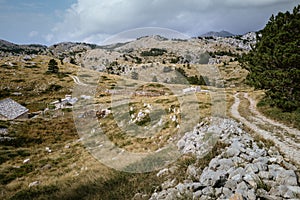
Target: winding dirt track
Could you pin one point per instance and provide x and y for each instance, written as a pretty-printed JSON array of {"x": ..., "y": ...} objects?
[
  {"x": 286, "y": 138},
  {"x": 77, "y": 81}
]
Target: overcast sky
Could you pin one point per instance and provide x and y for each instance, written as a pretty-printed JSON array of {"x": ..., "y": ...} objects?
[{"x": 52, "y": 21}]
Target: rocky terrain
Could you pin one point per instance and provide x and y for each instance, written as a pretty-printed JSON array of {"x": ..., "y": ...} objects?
[
  {"x": 100, "y": 57},
  {"x": 259, "y": 157},
  {"x": 190, "y": 51},
  {"x": 260, "y": 163},
  {"x": 246, "y": 169}
]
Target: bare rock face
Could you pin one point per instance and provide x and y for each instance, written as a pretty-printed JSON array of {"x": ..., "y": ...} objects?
[
  {"x": 98, "y": 59},
  {"x": 244, "y": 170}
]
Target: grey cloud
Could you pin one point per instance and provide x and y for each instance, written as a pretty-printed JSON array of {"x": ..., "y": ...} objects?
[{"x": 92, "y": 20}]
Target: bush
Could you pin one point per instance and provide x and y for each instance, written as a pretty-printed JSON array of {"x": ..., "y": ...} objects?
[
  {"x": 154, "y": 52},
  {"x": 183, "y": 78},
  {"x": 175, "y": 60},
  {"x": 154, "y": 79},
  {"x": 134, "y": 75},
  {"x": 167, "y": 69},
  {"x": 53, "y": 88}
]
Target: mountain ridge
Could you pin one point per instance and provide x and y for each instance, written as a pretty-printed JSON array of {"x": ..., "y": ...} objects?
[{"x": 218, "y": 34}]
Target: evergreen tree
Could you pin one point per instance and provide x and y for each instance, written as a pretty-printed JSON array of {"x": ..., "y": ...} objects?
[
  {"x": 53, "y": 66},
  {"x": 274, "y": 62}
]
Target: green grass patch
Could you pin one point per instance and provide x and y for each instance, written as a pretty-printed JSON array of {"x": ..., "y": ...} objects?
[
  {"x": 4, "y": 124},
  {"x": 9, "y": 174},
  {"x": 290, "y": 118}
]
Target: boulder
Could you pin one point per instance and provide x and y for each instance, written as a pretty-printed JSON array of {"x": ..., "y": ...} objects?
[
  {"x": 287, "y": 177},
  {"x": 35, "y": 183}
]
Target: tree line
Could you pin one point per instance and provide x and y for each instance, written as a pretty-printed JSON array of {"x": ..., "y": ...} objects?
[{"x": 274, "y": 62}]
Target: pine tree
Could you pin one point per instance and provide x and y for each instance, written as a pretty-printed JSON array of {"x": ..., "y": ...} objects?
[
  {"x": 53, "y": 66},
  {"x": 274, "y": 63}
]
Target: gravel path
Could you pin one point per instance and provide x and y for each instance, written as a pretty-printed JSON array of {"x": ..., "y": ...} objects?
[
  {"x": 280, "y": 134},
  {"x": 257, "y": 114}
]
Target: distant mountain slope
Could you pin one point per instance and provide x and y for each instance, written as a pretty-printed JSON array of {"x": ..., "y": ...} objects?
[
  {"x": 69, "y": 50},
  {"x": 8, "y": 48},
  {"x": 64, "y": 49},
  {"x": 97, "y": 57},
  {"x": 218, "y": 34},
  {"x": 75, "y": 46}
]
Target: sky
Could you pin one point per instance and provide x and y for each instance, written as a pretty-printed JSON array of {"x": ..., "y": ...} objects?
[{"x": 96, "y": 21}]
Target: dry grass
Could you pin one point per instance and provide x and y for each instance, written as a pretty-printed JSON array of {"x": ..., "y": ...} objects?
[
  {"x": 244, "y": 107},
  {"x": 290, "y": 118},
  {"x": 65, "y": 173},
  {"x": 70, "y": 173},
  {"x": 28, "y": 78},
  {"x": 233, "y": 74},
  {"x": 162, "y": 134}
]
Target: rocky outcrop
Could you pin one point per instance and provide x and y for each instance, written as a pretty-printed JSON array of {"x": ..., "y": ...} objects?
[
  {"x": 71, "y": 50},
  {"x": 244, "y": 170},
  {"x": 217, "y": 34}
]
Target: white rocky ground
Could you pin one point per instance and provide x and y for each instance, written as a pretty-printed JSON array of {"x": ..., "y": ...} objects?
[
  {"x": 244, "y": 170},
  {"x": 191, "y": 49}
]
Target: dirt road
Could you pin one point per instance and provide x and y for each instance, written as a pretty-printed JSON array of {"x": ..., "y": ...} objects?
[
  {"x": 286, "y": 138},
  {"x": 77, "y": 81}
]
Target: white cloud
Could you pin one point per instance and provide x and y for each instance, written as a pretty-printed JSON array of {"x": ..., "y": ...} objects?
[
  {"x": 49, "y": 37},
  {"x": 33, "y": 34},
  {"x": 93, "y": 20}
]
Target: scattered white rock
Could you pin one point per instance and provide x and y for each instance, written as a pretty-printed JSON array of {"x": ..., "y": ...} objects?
[
  {"x": 48, "y": 149},
  {"x": 162, "y": 172},
  {"x": 35, "y": 183},
  {"x": 85, "y": 97}
]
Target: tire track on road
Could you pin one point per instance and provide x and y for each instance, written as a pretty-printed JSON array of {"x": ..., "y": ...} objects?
[{"x": 291, "y": 151}]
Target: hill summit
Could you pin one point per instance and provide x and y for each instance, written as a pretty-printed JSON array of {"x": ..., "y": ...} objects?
[{"x": 218, "y": 34}]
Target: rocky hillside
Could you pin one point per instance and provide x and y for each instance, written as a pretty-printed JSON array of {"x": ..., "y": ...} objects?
[
  {"x": 64, "y": 50},
  {"x": 153, "y": 52},
  {"x": 10, "y": 49},
  {"x": 92, "y": 55},
  {"x": 246, "y": 169},
  {"x": 176, "y": 51},
  {"x": 69, "y": 51}
]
